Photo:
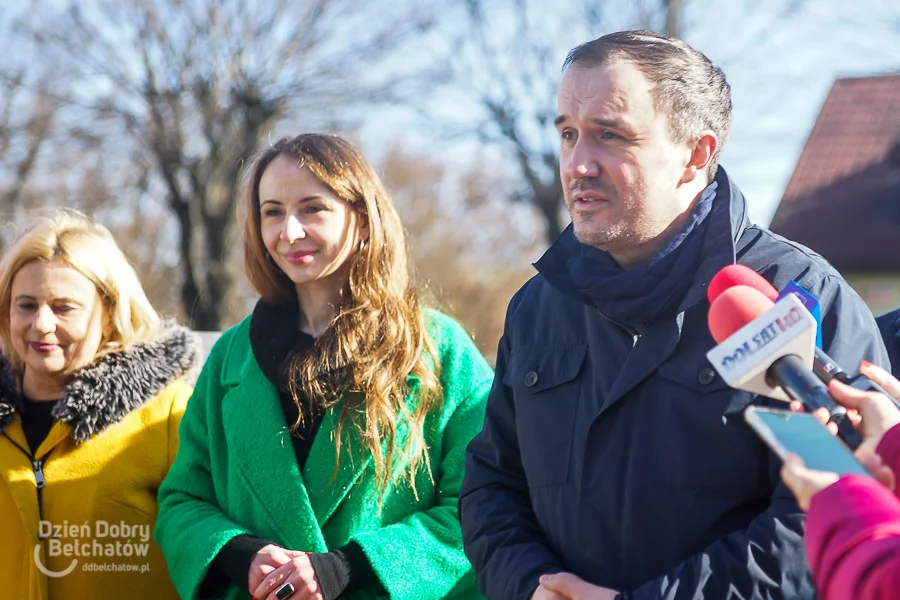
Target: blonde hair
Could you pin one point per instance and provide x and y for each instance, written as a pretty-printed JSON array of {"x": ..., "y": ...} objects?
[
  {"x": 70, "y": 238},
  {"x": 377, "y": 346}
]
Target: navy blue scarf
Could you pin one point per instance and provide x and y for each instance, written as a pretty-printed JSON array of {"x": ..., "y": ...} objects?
[{"x": 634, "y": 297}]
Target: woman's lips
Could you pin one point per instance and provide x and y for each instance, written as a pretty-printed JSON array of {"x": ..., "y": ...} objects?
[
  {"x": 299, "y": 257},
  {"x": 43, "y": 347}
]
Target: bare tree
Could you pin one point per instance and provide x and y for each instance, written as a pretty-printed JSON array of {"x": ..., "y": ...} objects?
[
  {"x": 467, "y": 243},
  {"x": 505, "y": 68},
  {"x": 192, "y": 87},
  {"x": 26, "y": 124}
]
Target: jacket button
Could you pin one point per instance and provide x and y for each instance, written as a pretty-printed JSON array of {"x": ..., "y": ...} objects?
[
  {"x": 531, "y": 379},
  {"x": 706, "y": 376}
]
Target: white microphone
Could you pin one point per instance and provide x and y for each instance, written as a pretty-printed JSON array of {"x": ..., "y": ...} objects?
[{"x": 768, "y": 348}]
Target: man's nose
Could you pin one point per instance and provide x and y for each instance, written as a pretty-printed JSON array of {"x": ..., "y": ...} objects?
[{"x": 583, "y": 163}]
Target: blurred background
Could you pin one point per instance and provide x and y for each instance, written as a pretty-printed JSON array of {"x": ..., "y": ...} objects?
[{"x": 143, "y": 113}]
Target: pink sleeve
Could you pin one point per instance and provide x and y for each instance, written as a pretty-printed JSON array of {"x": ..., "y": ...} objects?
[
  {"x": 889, "y": 451},
  {"x": 853, "y": 540}
]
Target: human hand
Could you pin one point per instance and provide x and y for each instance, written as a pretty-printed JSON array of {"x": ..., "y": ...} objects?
[
  {"x": 542, "y": 593},
  {"x": 876, "y": 412},
  {"x": 268, "y": 559},
  {"x": 572, "y": 587},
  {"x": 274, "y": 566},
  {"x": 806, "y": 483}
]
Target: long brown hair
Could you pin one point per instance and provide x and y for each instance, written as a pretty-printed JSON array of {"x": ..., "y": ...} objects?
[{"x": 376, "y": 350}]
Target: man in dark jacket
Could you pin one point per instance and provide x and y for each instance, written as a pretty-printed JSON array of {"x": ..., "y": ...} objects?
[
  {"x": 889, "y": 325},
  {"x": 614, "y": 462}
]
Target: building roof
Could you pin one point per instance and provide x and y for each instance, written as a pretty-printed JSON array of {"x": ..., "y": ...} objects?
[{"x": 843, "y": 199}]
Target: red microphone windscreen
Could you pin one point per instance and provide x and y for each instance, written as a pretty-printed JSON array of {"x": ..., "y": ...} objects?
[
  {"x": 734, "y": 308},
  {"x": 733, "y": 275}
]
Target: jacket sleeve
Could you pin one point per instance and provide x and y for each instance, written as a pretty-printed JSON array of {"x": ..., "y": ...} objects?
[
  {"x": 849, "y": 331},
  {"x": 190, "y": 527},
  {"x": 763, "y": 561},
  {"x": 767, "y": 556},
  {"x": 502, "y": 537},
  {"x": 853, "y": 540},
  {"x": 421, "y": 557}
]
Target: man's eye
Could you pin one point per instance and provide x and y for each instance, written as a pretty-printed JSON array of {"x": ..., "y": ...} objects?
[
  {"x": 567, "y": 135},
  {"x": 609, "y": 135}
]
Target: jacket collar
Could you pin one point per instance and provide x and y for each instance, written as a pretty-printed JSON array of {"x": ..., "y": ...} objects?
[
  {"x": 104, "y": 392},
  {"x": 727, "y": 222}
]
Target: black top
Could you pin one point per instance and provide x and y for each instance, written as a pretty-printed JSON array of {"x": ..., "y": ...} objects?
[
  {"x": 276, "y": 340},
  {"x": 37, "y": 420}
]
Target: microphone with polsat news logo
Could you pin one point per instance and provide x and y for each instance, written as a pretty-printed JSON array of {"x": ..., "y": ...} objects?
[
  {"x": 768, "y": 348},
  {"x": 824, "y": 367}
]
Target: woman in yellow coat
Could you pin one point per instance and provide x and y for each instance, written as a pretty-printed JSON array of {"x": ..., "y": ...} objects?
[{"x": 91, "y": 396}]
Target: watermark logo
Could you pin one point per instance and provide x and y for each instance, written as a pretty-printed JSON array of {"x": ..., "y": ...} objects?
[
  {"x": 92, "y": 541},
  {"x": 762, "y": 338}
]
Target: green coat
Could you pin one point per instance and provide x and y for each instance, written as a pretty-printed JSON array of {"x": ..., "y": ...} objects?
[{"x": 236, "y": 473}]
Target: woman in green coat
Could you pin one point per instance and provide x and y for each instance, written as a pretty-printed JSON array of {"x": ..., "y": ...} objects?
[{"x": 322, "y": 452}]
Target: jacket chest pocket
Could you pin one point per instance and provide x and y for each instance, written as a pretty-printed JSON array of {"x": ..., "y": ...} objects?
[
  {"x": 545, "y": 387},
  {"x": 697, "y": 446}
]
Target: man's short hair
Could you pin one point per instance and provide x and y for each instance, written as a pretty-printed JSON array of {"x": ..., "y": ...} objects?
[{"x": 687, "y": 86}]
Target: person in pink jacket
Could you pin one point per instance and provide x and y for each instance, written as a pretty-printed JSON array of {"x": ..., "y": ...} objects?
[{"x": 853, "y": 522}]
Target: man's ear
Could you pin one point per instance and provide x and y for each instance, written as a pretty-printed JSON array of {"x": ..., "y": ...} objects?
[{"x": 702, "y": 151}]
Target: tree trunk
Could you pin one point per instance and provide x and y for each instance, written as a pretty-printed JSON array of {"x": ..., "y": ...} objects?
[
  {"x": 673, "y": 17},
  {"x": 547, "y": 199}
]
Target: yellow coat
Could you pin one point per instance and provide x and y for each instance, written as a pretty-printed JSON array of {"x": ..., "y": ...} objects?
[{"x": 113, "y": 441}]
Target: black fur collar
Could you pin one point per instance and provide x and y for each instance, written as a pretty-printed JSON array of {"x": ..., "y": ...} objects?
[{"x": 103, "y": 393}]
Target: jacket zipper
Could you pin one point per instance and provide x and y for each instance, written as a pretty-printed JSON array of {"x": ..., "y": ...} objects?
[
  {"x": 37, "y": 465},
  {"x": 635, "y": 336}
]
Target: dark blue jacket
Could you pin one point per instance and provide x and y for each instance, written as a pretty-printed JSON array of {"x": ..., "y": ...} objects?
[
  {"x": 889, "y": 324},
  {"x": 610, "y": 458}
]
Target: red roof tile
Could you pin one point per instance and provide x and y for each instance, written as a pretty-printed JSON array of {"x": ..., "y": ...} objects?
[{"x": 843, "y": 199}]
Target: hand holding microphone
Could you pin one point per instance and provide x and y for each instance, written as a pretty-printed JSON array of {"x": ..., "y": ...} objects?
[
  {"x": 824, "y": 367},
  {"x": 768, "y": 348},
  {"x": 877, "y": 412}
]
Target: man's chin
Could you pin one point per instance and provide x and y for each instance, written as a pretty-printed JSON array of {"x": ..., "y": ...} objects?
[{"x": 591, "y": 236}]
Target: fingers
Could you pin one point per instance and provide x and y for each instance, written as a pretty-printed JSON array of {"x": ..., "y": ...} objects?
[
  {"x": 823, "y": 416},
  {"x": 267, "y": 560},
  {"x": 299, "y": 572},
  {"x": 881, "y": 377},
  {"x": 566, "y": 585},
  {"x": 847, "y": 396},
  {"x": 804, "y": 483},
  {"x": 792, "y": 469},
  {"x": 881, "y": 471}
]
